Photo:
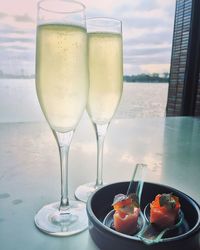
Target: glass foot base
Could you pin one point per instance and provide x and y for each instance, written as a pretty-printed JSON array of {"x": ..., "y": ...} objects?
[
  {"x": 84, "y": 191},
  {"x": 62, "y": 223}
]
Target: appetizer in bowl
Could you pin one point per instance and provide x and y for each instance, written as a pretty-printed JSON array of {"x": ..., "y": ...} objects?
[
  {"x": 126, "y": 213},
  {"x": 99, "y": 206},
  {"x": 164, "y": 210}
]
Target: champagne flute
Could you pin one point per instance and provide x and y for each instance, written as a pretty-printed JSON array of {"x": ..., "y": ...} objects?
[
  {"x": 106, "y": 84},
  {"x": 62, "y": 88}
]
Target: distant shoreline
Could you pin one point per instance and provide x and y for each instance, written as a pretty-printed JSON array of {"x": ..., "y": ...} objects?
[
  {"x": 32, "y": 78},
  {"x": 17, "y": 77},
  {"x": 152, "y": 78},
  {"x": 145, "y": 82},
  {"x": 128, "y": 79}
]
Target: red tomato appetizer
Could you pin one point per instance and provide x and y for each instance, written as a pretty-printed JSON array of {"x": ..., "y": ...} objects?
[
  {"x": 164, "y": 210},
  {"x": 126, "y": 213}
]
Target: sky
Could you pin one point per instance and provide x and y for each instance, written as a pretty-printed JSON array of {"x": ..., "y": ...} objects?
[{"x": 147, "y": 33}]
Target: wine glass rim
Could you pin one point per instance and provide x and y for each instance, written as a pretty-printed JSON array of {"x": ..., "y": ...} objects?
[
  {"x": 82, "y": 6},
  {"x": 111, "y": 22},
  {"x": 100, "y": 17}
]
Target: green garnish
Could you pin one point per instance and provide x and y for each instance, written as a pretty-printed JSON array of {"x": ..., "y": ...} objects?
[
  {"x": 135, "y": 199},
  {"x": 167, "y": 200}
]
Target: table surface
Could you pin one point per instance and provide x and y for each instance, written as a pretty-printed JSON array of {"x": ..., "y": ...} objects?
[{"x": 30, "y": 172}]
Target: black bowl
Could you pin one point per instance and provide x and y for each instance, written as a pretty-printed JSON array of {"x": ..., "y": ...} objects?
[{"x": 99, "y": 205}]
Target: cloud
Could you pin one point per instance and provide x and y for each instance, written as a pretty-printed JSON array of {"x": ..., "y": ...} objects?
[
  {"x": 147, "y": 51},
  {"x": 23, "y": 18},
  {"x": 159, "y": 68},
  {"x": 147, "y": 33},
  {"x": 166, "y": 6},
  {"x": 15, "y": 39},
  {"x": 15, "y": 47},
  {"x": 149, "y": 38},
  {"x": 94, "y": 13},
  {"x": 24, "y": 56},
  {"x": 146, "y": 5},
  {"x": 146, "y": 68},
  {"x": 146, "y": 59},
  {"x": 7, "y": 29},
  {"x": 2, "y": 15},
  {"x": 139, "y": 22},
  {"x": 147, "y": 30}
]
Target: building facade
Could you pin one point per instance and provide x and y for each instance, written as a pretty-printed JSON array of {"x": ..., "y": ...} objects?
[{"x": 184, "y": 83}]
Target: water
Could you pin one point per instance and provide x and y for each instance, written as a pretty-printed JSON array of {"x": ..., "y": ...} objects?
[
  {"x": 143, "y": 100},
  {"x": 18, "y": 100}
]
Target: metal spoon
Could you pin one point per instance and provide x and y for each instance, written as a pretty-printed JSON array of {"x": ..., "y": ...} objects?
[{"x": 152, "y": 234}]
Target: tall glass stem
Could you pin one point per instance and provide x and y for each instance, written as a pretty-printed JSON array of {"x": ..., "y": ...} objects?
[
  {"x": 100, "y": 131},
  {"x": 64, "y": 140}
]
